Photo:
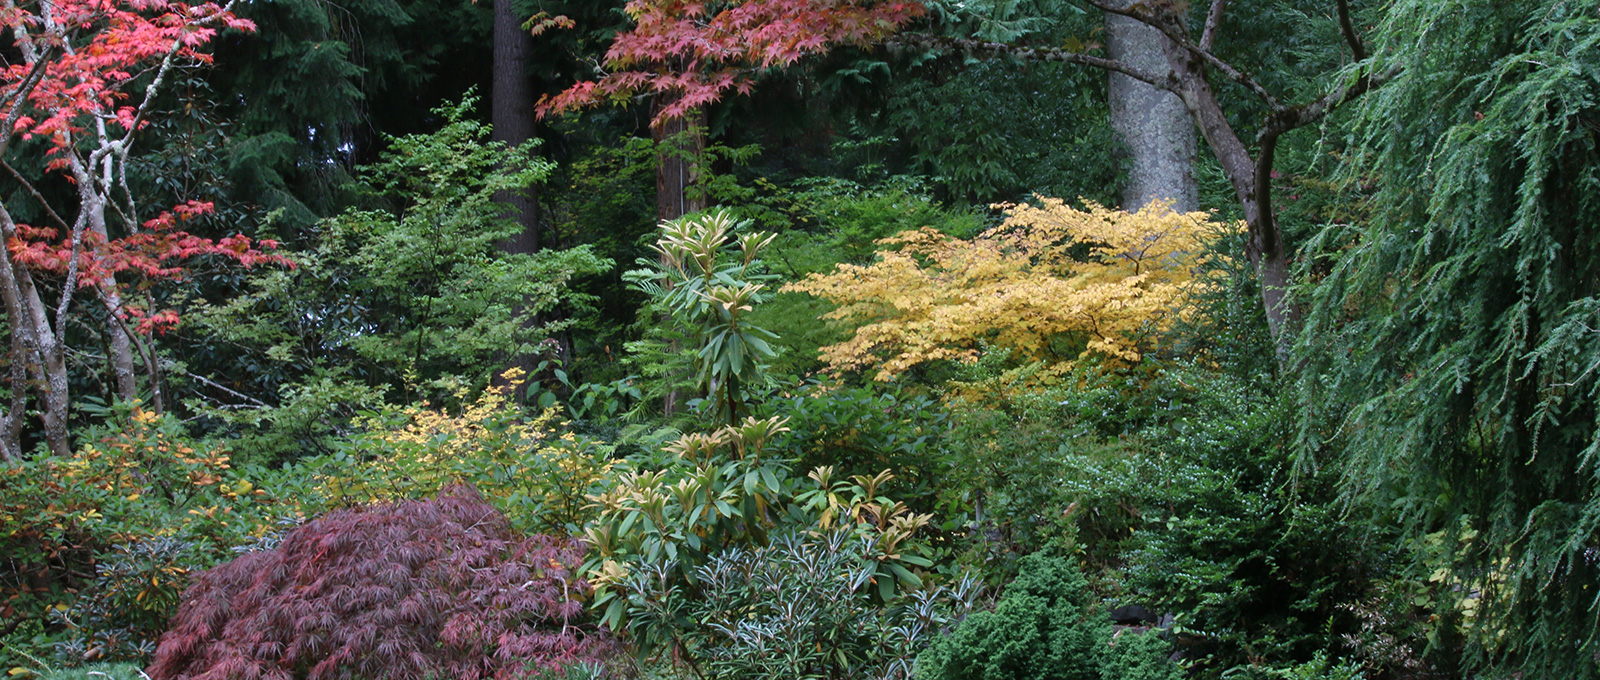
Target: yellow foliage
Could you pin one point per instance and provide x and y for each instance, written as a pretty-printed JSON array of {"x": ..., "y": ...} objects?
[
  {"x": 528, "y": 467},
  {"x": 1048, "y": 271}
]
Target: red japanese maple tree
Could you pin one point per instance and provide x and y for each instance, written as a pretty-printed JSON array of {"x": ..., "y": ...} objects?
[
  {"x": 690, "y": 53},
  {"x": 83, "y": 76},
  {"x": 695, "y": 51}
]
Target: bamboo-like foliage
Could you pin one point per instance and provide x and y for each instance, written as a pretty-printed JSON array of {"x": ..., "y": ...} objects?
[{"x": 1451, "y": 346}]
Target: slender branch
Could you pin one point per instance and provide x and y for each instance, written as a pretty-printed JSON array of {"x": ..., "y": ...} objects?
[
  {"x": 12, "y": 423},
  {"x": 85, "y": 184},
  {"x": 1165, "y": 82},
  {"x": 68, "y": 286},
  {"x": 132, "y": 213},
  {"x": 1349, "y": 30},
  {"x": 161, "y": 74},
  {"x": 1178, "y": 38},
  {"x": 114, "y": 308},
  {"x": 1208, "y": 35},
  {"x": 24, "y": 89},
  {"x": 1313, "y": 111},
  {"x": 150, "y": 92},
  {"x": 36, "y": 195},
  {"x": 256, "y": 403},
  {"x": 152, "y": 363}
]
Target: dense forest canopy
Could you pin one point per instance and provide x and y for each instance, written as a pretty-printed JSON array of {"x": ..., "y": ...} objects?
[{"x": 800, "y": 338}]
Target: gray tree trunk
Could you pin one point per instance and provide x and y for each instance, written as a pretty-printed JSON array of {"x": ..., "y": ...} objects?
[{"x": 1153, "y": 124}]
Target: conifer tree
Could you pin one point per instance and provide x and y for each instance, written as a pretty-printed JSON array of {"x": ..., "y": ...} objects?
[{"x": 1451, "y": 349}]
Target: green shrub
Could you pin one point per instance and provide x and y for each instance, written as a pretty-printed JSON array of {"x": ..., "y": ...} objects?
[
  {"x": 410, "y": 298},
  {"x": 801, "y": 607},
  {"x": 864, "y": 431},
  {"x": 101, "y": 542},
  {"x": 667, "y": 515},
  {"x": 1045, "y": 627},
  {"x": 1176, "y": 491}
]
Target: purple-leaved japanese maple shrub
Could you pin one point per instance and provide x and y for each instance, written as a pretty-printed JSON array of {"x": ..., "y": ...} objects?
[{"x": 441, "y": 588}]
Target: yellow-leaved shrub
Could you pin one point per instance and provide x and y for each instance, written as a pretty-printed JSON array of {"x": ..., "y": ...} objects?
[
  {"x": 531, "y": 468},
  {"x": 1052, "y": 283}
]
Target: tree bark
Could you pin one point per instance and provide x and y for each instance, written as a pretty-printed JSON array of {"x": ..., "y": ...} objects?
[
  {"x": 513, "y": 122},
  {"x": 1251, "y": 181},
  {"x": 512, "y": 116},
  {"x": 680, "y": 144},
  {"x": 37, "y": 348},
  {"x": 93, "y": 207},
  {"x": 1152, "y": 123}
]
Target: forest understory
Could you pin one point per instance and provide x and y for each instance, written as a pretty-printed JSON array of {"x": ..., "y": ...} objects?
[{"x": 800, "y": 339}]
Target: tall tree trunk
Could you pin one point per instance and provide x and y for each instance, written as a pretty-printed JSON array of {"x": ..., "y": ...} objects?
[
  {"x": 36, "y": 346},
  {"x": 1154, "y": 124},
  {"x": 512, "y": 116},
  {"x": 680, "y": 143},
  {"x": 513, "y": 120}
]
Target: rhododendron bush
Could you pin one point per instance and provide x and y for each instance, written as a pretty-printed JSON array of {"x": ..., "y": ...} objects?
[
  {"x": 440, "y": 588},
  {"x": 83, "y": 79}
]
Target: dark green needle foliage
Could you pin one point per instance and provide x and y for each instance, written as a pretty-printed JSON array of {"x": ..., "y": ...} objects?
[
  {"x": 1045, "y": 627},
  {"x": 1451, "y": 347}
]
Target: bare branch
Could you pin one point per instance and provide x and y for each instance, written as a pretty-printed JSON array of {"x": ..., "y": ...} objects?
[
  {"x": 18, "y": 96},
  {"x": 1178, "y": 38},
  {"x": 255, "y": 403},
  {"x": 1349, "y": 30},
  {"x": 1166, "y": 82},
  {"x": 132, "y": 212},
  {"x": 36, "y": 196},
  {"x": 1208, "y": 35},
  {"x": 71, "y": 284},
  {"x": 114, "y": 307},
  {"x": 1288, "y": 119}
]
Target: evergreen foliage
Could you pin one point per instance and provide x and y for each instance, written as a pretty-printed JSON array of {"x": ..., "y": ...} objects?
[
  {"x": 312, "y": 95},
  {"x": 803, "y": 607},
  {"x": 411, "y": 296},
  {"x": 1448, "y": 360},
  {"x": 1044, "y": 628}
]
